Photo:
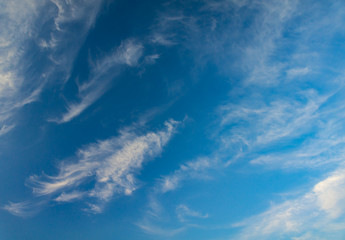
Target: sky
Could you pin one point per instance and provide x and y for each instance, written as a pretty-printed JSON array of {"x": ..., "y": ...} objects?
[{"x": 172, "y": 119}]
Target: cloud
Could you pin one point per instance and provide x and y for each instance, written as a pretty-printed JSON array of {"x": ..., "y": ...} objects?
[
  {"x": 282, "y": 117},
  {"x": 129, "y": 52},
  {"x": 161, "y": 39},
  {"x": 15, "y": 28},
  {"x": 184, "y": 212},
  {"x": 270, "y": 120},
  {"x": 69, "y": 197},
  {"x": 101, "y": 169},
  {"x": 151, "y": 59},
  {"x": 318, "y": 212},
  {"x": 22, "y": 78},
  {"x": 72, "y": 21},
  {"x": 190, "y": 170},
  {"x": 295, "y": 72},
  {"x": 101, "y": 76},
  {"x": 266, "y": 133},
  {"x": 17, "y": 209},
  {"x": 156, "y": 230},
  {"x": 22, "y": 209},
  {"x": 155, "y": 212},
  {"x": 5, "y": 129},
  {"x": 266, "y": 30},
  {"x": 88, "y": 93}
]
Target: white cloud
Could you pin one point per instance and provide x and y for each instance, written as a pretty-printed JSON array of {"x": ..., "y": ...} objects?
[
  {"x": 184, "y": 212},
  {"x": 102, "y": 74},
  {"x": 110, "y": 164},
  {"x": 266, "y": 133},
  {"x": 156, "y": 230},
  {"x": 129, "y": 52},
  {"x": 193, "y": 169},
  {"x": 22, "y": 209},
  {"x": 21, "y": 26},
  {"x": 331, "y": 194},
  {"x": 69, "y": 197},
  {"x": 281, "y": 118},
  {"x": 151, "y": 59},
  {"x": 318, "y": 212},
  {"x": 271, "y": 120},
  {"x": 162, "y": 39},
  {"x": 155, "y": 212},
  {"x": 15, "y": 28},
  {"x": 294, "y": 72},
  {"x": 88, "y": 95},
  {"x": 267, "y": 29},
  {"x": 5, "y": 129}
]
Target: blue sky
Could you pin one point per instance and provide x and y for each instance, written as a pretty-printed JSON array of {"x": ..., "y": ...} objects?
[{"x": 210, "y": 119}]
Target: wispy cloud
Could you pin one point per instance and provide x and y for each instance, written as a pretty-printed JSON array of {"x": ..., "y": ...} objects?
[
  {"x": 157, "y": 230},
  {"x": 129, "y": 52},
  {"x": 16, "y": 27},
  {"x": 156, "y": 212},
  {"x": 191, "y": 170},
  {"x": 69, "y": 197},
  {"x": 109, "y": 166},
  {"x": 271, "y": 119},
  {"x": 280, "y": 118},
  {"x": 21, "y": 78},
  {"x": 312, "y": 119},
  {"x": 5, "y": 129},
  {"x": 295, "y": 72},
  {"x": 101, "y": 77},
  {"x": 23, "y": 209},
  {"x": 71, "y": 22},
  {"x": 184, "y": 212}
]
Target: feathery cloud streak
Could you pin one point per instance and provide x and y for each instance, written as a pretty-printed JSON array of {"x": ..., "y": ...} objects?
[
  {"x": 128, "y": 53},
  {"x": 196, "y": 169},
  {"x": 101, "y": 169},
  {"x": 22, "y": 40}
]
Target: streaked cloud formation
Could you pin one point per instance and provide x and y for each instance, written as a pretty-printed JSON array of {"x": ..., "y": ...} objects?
[
  {"x": 184, "y": 212},
  {"x": 100, "y": 170},
  {"x": 279, "y": 116},
  {"x": 101, "y": 76},
  {"x": 261, "y": 155},
  {"x": 196, "y": 169},
  {"x": 22, "y": 40}
]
